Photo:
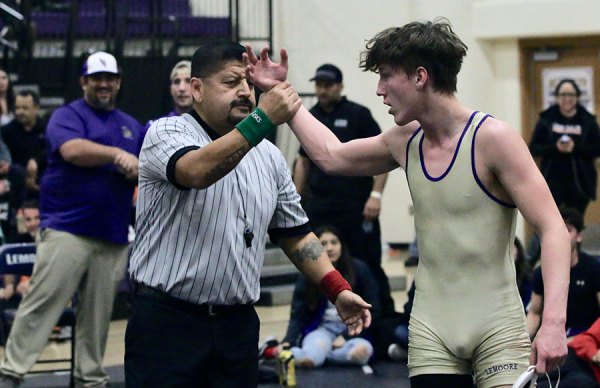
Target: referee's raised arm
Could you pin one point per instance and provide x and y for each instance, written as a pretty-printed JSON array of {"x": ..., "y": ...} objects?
[{"x": 203, "y": 167}]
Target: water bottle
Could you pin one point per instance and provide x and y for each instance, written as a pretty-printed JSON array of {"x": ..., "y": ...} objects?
[
  {"x": 367, "y": 226},
  {"x": 287, "y": 367}
]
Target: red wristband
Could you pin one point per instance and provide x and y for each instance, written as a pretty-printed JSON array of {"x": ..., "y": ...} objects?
[{"x": 332, "y": 284}]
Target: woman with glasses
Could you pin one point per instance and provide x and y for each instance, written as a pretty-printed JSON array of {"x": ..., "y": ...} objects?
[{"x": 567, "y": 138}]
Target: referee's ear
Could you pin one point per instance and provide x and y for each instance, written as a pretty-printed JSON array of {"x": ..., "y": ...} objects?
[{"x": 197, "y": 88}]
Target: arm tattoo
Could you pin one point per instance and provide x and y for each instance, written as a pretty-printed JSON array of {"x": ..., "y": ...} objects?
[
  {"x": 309, "y": 251},
  {"x": 226, "y": 165}
]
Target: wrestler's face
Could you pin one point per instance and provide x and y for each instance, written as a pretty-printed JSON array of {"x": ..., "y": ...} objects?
[
  {"x": 332, "y": 246},
  {"x": 181, "y": 91},
  {"x": 399, "y": 93},
  {"x": 224, "y": 98},
  {"x": 100, "y": 90}
]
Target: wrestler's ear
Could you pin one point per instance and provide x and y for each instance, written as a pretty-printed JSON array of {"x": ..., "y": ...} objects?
[{"x": 421, "y": 77}]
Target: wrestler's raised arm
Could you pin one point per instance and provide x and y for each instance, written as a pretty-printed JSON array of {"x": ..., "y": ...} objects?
[{"x": 366, "y": 157}]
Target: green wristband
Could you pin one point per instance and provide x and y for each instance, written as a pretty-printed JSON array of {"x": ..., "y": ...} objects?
[{"x": 255, "y": 127}]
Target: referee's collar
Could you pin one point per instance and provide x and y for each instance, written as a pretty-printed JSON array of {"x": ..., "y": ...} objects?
[{"x": 211, "y": 133}]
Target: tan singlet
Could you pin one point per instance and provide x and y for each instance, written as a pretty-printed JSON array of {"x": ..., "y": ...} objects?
[{"x": 467, "y": 313}]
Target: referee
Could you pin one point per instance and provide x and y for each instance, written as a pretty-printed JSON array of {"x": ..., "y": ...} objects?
[{"x": 210, "y": 191}]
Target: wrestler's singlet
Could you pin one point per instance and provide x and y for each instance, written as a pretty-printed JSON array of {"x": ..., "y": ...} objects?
[{"x": 467, "y": 312}]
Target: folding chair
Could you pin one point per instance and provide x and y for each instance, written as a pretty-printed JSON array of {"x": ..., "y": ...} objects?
[{"x": 18, "y": 259}]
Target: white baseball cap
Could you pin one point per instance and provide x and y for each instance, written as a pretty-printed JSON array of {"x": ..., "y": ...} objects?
[{"x": 100, "y": 62}]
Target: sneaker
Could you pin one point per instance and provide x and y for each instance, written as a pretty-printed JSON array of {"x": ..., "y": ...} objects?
[
  {"x": 265, "y": 348},
  {"x": 397, "y": 353},
  {"x": 8, "y": 381},
  {"x": 412, "y": 261}
]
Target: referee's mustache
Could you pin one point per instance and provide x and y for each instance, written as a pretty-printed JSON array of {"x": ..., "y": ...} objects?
[{"x": 242, "y": 102}]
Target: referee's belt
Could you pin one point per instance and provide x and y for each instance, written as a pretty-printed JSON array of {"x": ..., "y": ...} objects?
[{"x": 203, "y": 309}]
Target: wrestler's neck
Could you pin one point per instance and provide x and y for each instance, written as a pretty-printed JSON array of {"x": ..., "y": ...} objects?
[{"x": 444, "y": 118}]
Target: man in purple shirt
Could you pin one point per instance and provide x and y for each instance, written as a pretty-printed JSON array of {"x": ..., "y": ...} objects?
[{"x": 85, "y": 202}]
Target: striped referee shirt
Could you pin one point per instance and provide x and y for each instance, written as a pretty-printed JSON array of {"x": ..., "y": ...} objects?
[{"x": 189, "y": 242}]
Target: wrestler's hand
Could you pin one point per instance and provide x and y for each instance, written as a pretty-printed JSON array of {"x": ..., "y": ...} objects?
[
  {"x": 549, "y": 348},
  {"x": 280, "y": 103},
  {"x": 263, "y": 72},
  {"x": 354, "y": 311}
]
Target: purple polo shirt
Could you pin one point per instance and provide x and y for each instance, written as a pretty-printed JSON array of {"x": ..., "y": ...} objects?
[{"x": 88, "y": 201}]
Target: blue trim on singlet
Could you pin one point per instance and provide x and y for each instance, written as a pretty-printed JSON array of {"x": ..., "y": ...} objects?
[
  {"x": 408, "y": 147},
  {"x": 422, "y": 159},
  {"x": 479, "y": 183}
]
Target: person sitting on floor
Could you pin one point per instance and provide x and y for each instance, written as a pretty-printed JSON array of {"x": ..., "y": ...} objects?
[{"x": 315, "y": 331}]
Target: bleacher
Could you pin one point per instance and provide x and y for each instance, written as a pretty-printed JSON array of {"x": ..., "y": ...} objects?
[{"x": 134, "y": 19}]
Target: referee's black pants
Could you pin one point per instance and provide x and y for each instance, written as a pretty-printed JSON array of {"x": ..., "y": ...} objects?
[{"x": 181, "y": 345}]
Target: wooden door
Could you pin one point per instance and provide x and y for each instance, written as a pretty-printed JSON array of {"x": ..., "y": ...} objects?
[{"x": 540, "y": 54}]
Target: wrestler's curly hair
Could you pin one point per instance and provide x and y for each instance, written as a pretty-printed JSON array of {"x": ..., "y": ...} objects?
[{"x": 432, "y": 45}]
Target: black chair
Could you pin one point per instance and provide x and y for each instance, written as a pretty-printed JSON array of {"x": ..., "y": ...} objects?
[{"x": 19, "y": 259}]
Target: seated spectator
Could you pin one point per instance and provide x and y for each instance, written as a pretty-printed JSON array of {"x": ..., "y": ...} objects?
[
  {"x": 524, "y": 273},
  {"x": 29, "y": 216},
  {"x": 14, "y": 290},
  {"x": 6, "y": 98},
  {"x": 12, "y": 192},
  {"x": 582, "y": 367},
  {"x": 24, "y": 137},
  {"x": 315, "y": 331},
  {"x": 583, "y": 306}
]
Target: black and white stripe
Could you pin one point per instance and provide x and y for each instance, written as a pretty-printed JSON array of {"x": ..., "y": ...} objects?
[{"x": 190, "y": 242}]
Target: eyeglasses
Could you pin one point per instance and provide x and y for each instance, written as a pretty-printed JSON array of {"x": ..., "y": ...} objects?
[{"x": 564, "y": 95}]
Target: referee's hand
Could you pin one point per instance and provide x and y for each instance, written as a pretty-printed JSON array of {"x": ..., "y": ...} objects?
[
  {"x": 354, "y": 311},
  {"x": 280, "y": 103}
]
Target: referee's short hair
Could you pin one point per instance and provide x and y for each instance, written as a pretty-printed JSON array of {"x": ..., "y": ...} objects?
[{"x": 209, "y": 57}]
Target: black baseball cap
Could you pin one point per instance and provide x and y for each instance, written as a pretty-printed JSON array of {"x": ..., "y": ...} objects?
[{"x": 328, "y": 73}]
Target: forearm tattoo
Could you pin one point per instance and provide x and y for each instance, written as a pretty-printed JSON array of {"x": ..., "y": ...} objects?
[
  {"x": 228, "y": 164},
  {"x": 309, "y": 251}
]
